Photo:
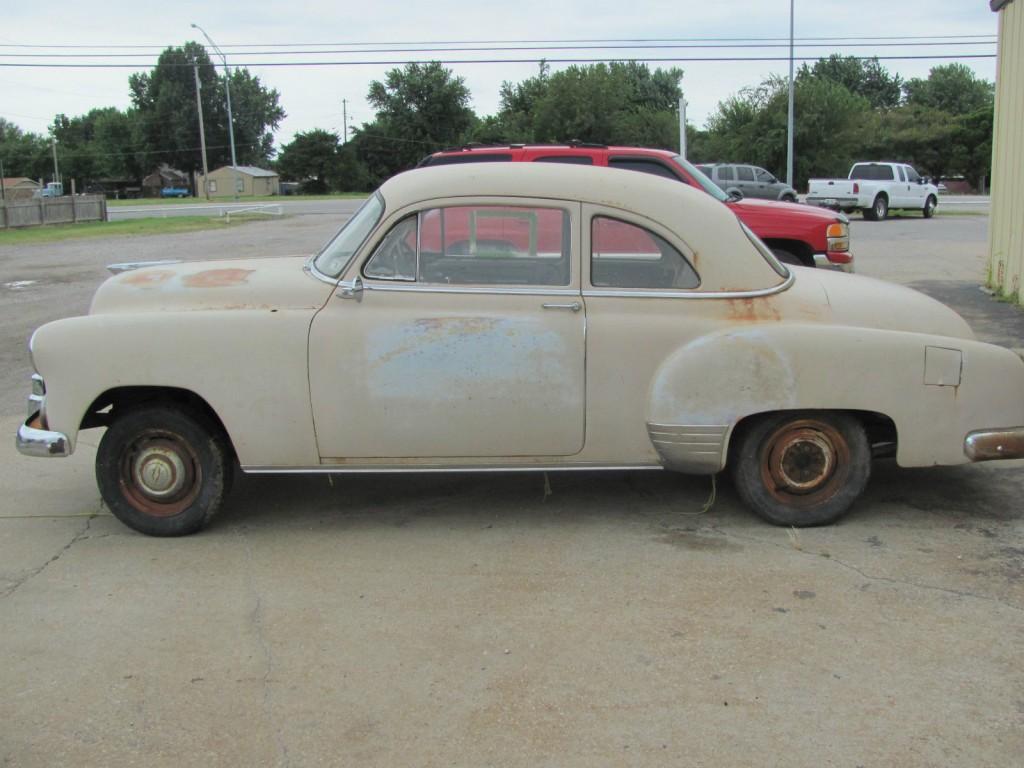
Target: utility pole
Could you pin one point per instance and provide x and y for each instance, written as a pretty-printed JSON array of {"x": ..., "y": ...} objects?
[
  {"x": 344, "y": 120},
  {"x": 789, "y": 133},
  {"x": 202, "y": 131},
  {"x": 227, "y": 91},
  {"x": 3, "y": 187},
  {"x": 56, "y": 173},
  {"x": 682, "y": 127}
]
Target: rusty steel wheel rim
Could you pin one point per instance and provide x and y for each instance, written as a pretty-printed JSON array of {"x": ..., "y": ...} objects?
[
  {"x": 160, "y": 474},
  {"x": 804, "y": 463}
]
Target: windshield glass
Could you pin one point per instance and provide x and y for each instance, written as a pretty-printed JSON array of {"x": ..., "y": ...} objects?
[
  {"x": 706, "y": 184},
  {"x": 335, "y": 256}
]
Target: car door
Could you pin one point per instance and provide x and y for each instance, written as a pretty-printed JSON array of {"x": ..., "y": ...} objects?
[
  {"x": 764, "y": 182},
  {"x": 459, "y": 331},
  {"x": 916, "y": 191},
  {"x": 745, "y": 181}
]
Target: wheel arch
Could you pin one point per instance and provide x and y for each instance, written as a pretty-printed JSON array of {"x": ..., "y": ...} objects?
[
  {"x": 116, "y": 401},
  {"x": 798, "y": 248}
]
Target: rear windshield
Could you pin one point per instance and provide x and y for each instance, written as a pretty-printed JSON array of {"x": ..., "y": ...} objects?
[
  {"x": 871, "y": 172},
  {"x": 469, "y": 157}
]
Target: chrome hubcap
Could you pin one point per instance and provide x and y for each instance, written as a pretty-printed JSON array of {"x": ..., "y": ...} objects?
[{"x": 159, "y": 472}]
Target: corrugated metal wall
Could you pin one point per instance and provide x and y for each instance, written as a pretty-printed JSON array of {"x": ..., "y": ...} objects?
[{"x": 1006, "y": 227}]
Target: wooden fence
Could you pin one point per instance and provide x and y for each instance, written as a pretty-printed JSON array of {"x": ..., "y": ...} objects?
[{"x": 69, "y": 209}]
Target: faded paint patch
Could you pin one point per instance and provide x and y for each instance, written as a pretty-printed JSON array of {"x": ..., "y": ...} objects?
[
  {"x": 754, "y": 310},
  {"x": 147, "y": 278},
  {"x": 217, "y": 278}
]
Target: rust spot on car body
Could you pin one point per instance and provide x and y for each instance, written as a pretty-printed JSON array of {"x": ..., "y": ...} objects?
[
  {"x": 753, "y": 310},
  {"x": 217, "y": 278},
  {"x": 148, "y": 278}
]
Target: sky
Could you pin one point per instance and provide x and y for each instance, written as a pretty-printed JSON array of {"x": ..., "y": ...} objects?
[{"x": 312, "y": 95}]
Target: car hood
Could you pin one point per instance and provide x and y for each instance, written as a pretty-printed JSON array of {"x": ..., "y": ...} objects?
[
  {"x": 234, "y": 284},
  {"x": 763, "y": 207},
  {"x": 865, "y": 302}
]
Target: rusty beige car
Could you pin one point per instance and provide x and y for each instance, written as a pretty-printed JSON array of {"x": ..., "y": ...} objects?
[{"x": 518, "y": 317}]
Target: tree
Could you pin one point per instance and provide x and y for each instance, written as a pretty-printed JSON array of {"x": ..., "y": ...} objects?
[
  {"x": 952, "y": 88},
  {"x": 421, "y": 108},
  {"x": 165, "y": 101},
  {"x": 863, "y": 78},
  {"x": 311, "y": 158},
  {"x": 102, "y": 144},
  {"x": 617, "y": 103},
  {"x": 24, "y": 154}
]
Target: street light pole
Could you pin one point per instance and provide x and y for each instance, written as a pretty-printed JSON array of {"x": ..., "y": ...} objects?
[
  {"x": 789, "y": 132},
  {"x": 227, "y": 91}
]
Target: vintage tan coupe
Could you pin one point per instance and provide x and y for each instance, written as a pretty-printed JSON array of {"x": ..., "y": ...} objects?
[{"x": 517, "y": 317}]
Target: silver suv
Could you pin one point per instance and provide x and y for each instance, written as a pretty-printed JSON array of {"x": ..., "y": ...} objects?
[{"x": 748, "y": 181}]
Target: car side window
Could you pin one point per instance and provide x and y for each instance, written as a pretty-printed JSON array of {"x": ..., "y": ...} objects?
[
  {"x": 899, "y": 170},
  {"x": 912, "y": 175},
  {"x": 644, "y": 166},
  {"x": 570, "y": 159},
  {"x": 725, "y": 173},
  {"x": 469, "y": 157},
  {"x": 763, "y": 176},
  {"x": 477, "y": 245},
  {"x": 623, "y": 255},
  {"x": 744, "y": 173}
]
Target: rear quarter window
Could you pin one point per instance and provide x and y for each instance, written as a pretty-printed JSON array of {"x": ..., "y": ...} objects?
[
  {"x": 470, "y": 157},
  {"x": 570, "y": 159}
]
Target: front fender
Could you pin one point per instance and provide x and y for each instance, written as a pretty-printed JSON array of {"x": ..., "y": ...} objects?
[
  {"x": 704, "y": 389},
  {"x": 248, "y": 365}
]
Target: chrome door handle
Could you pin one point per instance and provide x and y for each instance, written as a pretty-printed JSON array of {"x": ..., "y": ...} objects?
[{"x": 575, "y": 306}]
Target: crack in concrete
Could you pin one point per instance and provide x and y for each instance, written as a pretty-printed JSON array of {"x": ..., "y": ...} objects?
[
  {"x": 16, "y": 583},
  {"x": 256, "y": 621},
  {"x": 884, "y": 579}
]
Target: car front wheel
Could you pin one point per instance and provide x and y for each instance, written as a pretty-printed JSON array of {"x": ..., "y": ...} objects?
[
  {"x": 929, "y": 206},
  {"x": 803, "y": 468},
  {"x": 163, "y": 471}
]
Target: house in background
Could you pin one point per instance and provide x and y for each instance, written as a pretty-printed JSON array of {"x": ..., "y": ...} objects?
[
  {"x": 247, "y": 179},
  {"x": 164, "y": 176},
  {"x": 1006, "y": 228},
  {"x": 18, "y": 188}
]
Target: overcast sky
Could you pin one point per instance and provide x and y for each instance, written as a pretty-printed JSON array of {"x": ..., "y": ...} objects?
[{"x": 312, "y": 96}]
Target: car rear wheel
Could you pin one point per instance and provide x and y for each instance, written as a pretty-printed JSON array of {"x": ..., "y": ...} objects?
[
  {"x": 803, "y": 468},
  {"x": 788, "y": 199},
  {"x": 879, "y": 209},
  {"x": 163, "y": 471},
  {"x": 929, "y": 206}
]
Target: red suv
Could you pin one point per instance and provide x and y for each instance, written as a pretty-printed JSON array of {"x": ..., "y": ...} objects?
[{"x": 798, "y": 234}]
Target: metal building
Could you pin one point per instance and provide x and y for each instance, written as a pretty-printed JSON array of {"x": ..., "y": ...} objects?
[{"x": 1006, "y": 226}]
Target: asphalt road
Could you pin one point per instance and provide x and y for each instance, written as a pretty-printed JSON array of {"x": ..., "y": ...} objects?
[{"x": 592, "y": 620}]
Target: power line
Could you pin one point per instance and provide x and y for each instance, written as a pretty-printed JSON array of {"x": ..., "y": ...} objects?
[
  {"x": 399, "y": 62},
  {"x": 514, "y": 41},
  {"x": 470, "y": 49}
]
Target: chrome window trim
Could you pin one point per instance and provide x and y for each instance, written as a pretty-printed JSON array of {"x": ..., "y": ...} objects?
[
  {"x": 598, "y": 292},
  {"x": 538, "y": 290}
]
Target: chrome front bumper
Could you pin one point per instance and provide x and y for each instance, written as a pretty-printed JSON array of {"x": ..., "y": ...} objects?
[
  {"x": 821, "y": 262},
  {"x": 33, "y": 441},
  {"x": 991, "y": 444}
]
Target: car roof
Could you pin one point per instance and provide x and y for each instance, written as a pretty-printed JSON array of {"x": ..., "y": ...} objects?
[
  {"x": 568, "y": 148},
  {"x": 700, "y": 221}
]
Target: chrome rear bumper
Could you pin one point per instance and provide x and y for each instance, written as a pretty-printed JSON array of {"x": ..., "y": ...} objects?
[{"x": 990, "y": 444}]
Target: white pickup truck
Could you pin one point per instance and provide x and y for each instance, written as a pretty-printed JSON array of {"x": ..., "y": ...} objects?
[{"x": 875, "y": 189}]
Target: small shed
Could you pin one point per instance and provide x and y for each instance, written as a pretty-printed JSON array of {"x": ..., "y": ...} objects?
[
  {"x": 241, "y": 180},
  {"x": 163, "y": 176},
  {"x": 19, "y": 188}
]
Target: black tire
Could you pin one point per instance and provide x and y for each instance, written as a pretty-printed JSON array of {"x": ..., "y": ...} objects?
[
  {"x": 802, "y": 468},
  {"x": 788, "y": 199},
  {"x": 929, "y": 206},
  {"x": 788, "y": 257},
  {"x": 186, "y": 458},
  {"x": 879, "y": 210}
]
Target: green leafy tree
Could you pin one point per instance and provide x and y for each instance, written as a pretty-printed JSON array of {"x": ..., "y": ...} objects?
[
  {"x": 951, "y": 88},
  {"x": 165, "y": 101},
  {"x": 311, "y": 158},
  {"x": 24, "y": 154},
  {"x": 420, "y": 109},
  {"x": 102, "y": 144},
  {"x": 867, "y": 78}
]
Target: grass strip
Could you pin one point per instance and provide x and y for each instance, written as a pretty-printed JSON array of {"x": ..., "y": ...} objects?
[{"x": 125, "y": 228}]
